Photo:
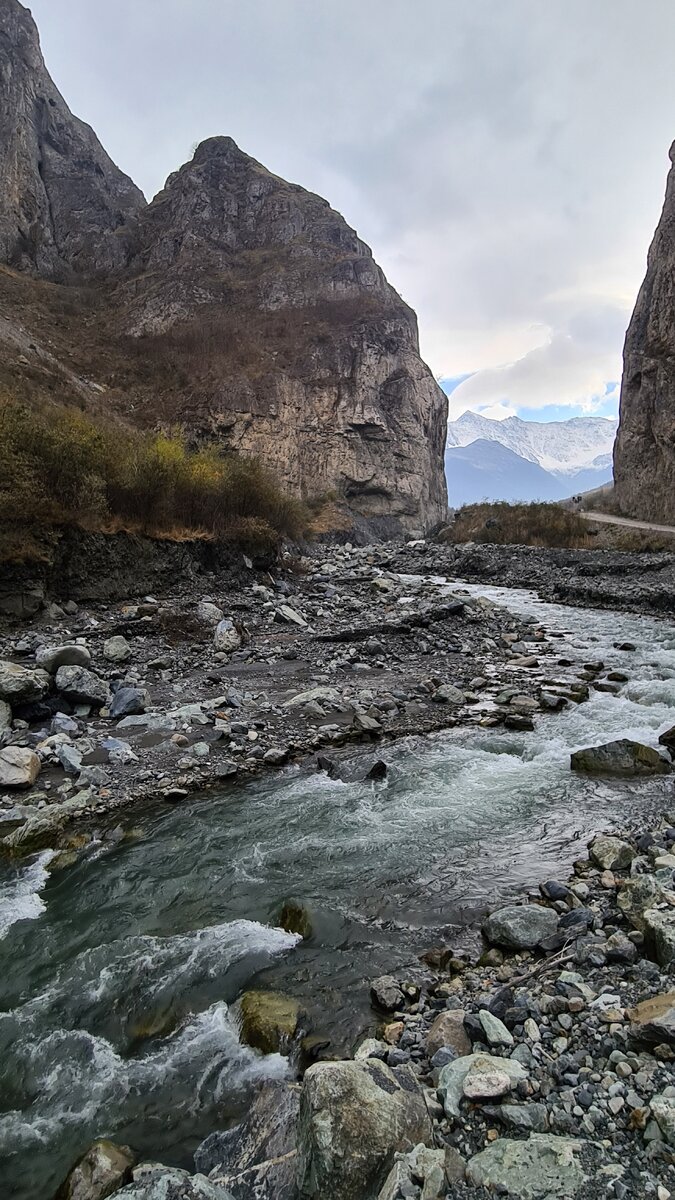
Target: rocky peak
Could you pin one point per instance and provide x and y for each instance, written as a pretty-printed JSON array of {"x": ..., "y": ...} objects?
[
  {"x": 644, "y": 452},
  {"x": 62, "y": 198}
]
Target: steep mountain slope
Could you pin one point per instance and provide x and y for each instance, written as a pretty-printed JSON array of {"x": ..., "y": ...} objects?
[
  {"x": 644, "y": 455},
  {"x": 236, "y": 304},
  {"x": 486, "y": 470},
  {"x": 561, "y": 447},
  {"x": 62, "y": 199}
]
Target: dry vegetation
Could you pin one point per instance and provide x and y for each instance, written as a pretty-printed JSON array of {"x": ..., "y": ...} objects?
[
  {"x": 61, "y": 466},
  {"x": 505, "y": 524}
]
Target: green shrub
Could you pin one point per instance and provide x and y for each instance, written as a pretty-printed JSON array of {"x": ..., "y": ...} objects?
[{"x": 60, "y": 465}]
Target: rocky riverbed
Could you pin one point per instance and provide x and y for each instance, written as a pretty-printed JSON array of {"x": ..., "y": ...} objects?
[
  {"x": 536, "y": 1064},
  {"x": 107, "y": 705}
]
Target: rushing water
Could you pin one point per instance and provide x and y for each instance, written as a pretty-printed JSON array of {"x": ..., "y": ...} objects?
[{"x": 116, "y": 974}]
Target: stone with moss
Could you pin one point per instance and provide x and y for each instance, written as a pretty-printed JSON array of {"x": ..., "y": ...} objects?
[{"x": 268, "y": 1021}]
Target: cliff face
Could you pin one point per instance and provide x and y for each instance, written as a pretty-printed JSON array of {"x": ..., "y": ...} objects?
[
  {"x": 644, "y": 452},
  {"x": 237, "y": 304},
  {"x": 62, "y": 198}
]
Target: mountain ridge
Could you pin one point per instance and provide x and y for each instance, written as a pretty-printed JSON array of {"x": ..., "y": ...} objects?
[{"x": 560, "y": 447}]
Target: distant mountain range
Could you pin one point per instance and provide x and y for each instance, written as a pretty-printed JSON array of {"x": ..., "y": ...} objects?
[{"x": 526, "y": 460}]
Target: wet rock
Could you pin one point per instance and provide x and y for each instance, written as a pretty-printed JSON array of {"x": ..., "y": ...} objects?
[
  {"x": 101, "y": 1171},
  {"x": 611, "y": 853},
  {"x": 226, "y": 638},
  {"x": 492, "y": 1077},
  {"x": 386, "y": 993},
  {"x": 20, "y": 685},
  {"x": 37, "y": 833},
  {"x": 265, "y": 1138},
  {"x": 82, "y": 686},
  {"x": 269, "y": 1020},
  {"x": 623, "y": 758},
  {"x": 448, "y": 694},
  {"x": 127, "y": 702},
  {"x": 520, "y": 927},
  {"x": 152, "y": 1181},
  {"x": 667, "y": 738},
  {"x": 353, "y": 1117},
  {"x": 295, "y": 917},
  {"x": 541, "y": 1168},
  {"x": 50, "y": 658},
  {"x": 653, "y": 1020},
  {"x": 117, "y": 649},
  {"x": 448, "y": 1030},
  {"x": 19, "y": 767},
  {"x": 276, "y": 756}
]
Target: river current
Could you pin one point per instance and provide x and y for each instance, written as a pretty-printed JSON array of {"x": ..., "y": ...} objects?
[{"x": 117, "y": 973}]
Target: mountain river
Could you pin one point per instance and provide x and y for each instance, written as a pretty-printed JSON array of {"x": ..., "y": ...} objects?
[{"x": 116, "y": 973}]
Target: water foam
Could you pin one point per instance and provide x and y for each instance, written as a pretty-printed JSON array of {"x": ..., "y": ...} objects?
[{"x": 20, "y": 898}]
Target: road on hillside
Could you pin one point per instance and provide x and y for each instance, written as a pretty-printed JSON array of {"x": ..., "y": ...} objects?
[{"x": 608, "y": 519}]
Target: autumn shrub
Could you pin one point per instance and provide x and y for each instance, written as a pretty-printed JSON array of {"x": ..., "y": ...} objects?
[
  {"x": 519, "y": 524},
  {"x": 60, "y": 465}
]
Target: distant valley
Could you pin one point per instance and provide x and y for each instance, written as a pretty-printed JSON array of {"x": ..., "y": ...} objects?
[{"x": 526, "y": 460}]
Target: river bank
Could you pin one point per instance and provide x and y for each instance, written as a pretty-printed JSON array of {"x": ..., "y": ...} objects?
[{"x": 223, "y": 678}]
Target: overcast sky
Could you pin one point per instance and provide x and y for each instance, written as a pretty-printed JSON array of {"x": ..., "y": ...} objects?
[{"x": 506, "y": 159}]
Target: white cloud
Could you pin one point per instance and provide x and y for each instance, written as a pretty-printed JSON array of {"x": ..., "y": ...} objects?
[{"x": 506, "y": 161}]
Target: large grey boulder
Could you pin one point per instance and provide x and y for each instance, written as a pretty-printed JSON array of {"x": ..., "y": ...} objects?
[
  {"x": 19, "y": 767},
  {"x": 50, "y": 658},
  {"x": 101, "y": 1171},
  {"x": 128, "y": 701},
  {"x": 520, "y": 926},
  {"x": 266, "y": 1138},
  {"x": 152, "y": 1181},
  {"x": 477, "y": 1077},
  {"x": 353, "y": 1117},
  {"x": 637, "y": 895},
  {"x": 542, "y": 1168},
  {"x": 624, "y": 758},
  {"x": 82, "y": 686},
  {"x": 117, "y": 649},
  {"x": 611, "y": 853},
  {"x": 225, "y": 636},
  {"x": 37, "y": 833},
  {"x": 20, "y": 685}
]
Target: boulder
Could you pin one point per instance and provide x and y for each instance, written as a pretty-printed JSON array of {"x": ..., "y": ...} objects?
[
  {"x": 267, "y": 1135},
  {"x": 101, "y": 1171},
  {"x": 479, "y": 1076},
  {"x": 117, "y": 649},
  {"x": 19, "y": 767},
  {"x": 496, "y": 1033},
  {"x": 663, "y": 1110},
  {"x": 20, "y": 685},
  {"x": 660, "y": 931},
  {"x": 623, "y": 757},
  {"x": 5, "y": 716},
  {"x": 50, "y": 658},
  {"x": 225, "y": 636},
  {"x": 128, "y": 701},
  {"x": 667, "y": 739},
  {"x": 448, "y": 694},
  {"x": 636, "y": 896},
  {"x": 82, "y": 686},
  {"x": 152, "y": 1181},
  {"x": 448, "y": 1030},
  {"x": 37, "y": 833},
  {"x": 354, "y": 1116},
  {"x": 611, "y": 853},
  {"x": 268, "y": 1021},
  {"x": 653, "y": 1021},
  {"x": 295, "y": 917},
  {"x": 520, "y": 926},
  {"x": 542, "y": 1168},
  {"x": 386, "y": 993},
  {"x": 208, "y": 613}
]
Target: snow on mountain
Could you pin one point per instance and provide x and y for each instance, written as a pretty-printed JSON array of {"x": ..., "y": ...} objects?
[{"x": 563, "y": 448}]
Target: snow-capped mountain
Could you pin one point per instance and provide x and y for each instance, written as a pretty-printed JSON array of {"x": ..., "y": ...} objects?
[
  {"x": 486, "y": 470},
  {"x": 564, "y": 448}
]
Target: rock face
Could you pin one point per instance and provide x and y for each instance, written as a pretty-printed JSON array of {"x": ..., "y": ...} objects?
[
  {"x": 236, "y": 303},
  {"x": 644, "y": 453},
  {"x": 62, "y": 199}
]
